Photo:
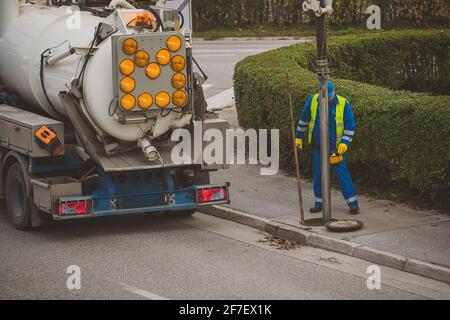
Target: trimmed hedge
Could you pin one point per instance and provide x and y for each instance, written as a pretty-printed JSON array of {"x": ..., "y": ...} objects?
[
  {"x": 415, "y": 61},
  {"x": 402, "y": 145}
]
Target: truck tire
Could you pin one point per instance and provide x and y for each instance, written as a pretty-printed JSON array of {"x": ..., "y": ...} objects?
[{"x": 17, "y": 201}]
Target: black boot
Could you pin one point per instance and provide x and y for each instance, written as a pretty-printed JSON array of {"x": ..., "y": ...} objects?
[
  {"x": 315, "y": 209},
  {"x": 354, "y": 209}
]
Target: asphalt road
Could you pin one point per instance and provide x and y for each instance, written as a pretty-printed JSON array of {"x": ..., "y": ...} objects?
[
  {"x": 218, "y": 58},
  {"x": 144, "y": 257},
  {"x": 147, "y": 257}
]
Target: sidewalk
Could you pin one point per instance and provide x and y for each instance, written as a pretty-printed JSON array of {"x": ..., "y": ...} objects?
[
  {"x": 391, "y": 227},
  {"x": 419, "y": 234}
]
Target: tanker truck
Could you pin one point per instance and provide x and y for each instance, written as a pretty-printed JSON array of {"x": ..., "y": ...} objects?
[{"x": 90, "y": 96}]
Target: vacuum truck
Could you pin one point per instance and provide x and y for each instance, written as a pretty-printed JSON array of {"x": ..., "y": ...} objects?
[{"x": 90, "y": 96}]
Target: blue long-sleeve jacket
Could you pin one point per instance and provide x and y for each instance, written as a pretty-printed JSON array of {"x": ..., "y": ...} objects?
[{"x": 349, "y": 124}]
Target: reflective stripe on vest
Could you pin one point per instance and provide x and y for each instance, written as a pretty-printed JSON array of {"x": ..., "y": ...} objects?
[{"x": 339, "y": 118}]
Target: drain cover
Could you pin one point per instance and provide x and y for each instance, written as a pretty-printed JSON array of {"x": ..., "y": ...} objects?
[
  {"x": 316, "y": 222},
  {"x": 344, "y": 225}
]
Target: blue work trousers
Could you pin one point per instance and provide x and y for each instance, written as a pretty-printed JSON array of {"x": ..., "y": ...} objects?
[{"x": 343, "y": 177}]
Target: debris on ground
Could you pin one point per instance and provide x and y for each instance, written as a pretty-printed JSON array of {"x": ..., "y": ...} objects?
[
  {"x": 331, "y": 260},
  {"x": 280, "y": 244}
]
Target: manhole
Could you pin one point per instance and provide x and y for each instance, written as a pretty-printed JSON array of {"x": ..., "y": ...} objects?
[
  {"x": 316, "y": 222},
  {"x": 344, "y": 225}
]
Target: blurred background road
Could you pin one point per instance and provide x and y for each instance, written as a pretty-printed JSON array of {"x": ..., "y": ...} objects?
[{"x": 219, "y": 57}]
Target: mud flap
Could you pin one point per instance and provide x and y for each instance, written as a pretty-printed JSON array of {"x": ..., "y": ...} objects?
[{"x": 37, "y": 218}]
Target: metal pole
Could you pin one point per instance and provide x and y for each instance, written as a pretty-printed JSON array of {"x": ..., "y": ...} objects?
[
  {"x": 296, "y": 156},
  {"x": 322, "y": 74}
]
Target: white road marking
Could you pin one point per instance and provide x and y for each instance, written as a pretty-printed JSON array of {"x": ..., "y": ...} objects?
[
  {"x": 141, "y": 292},
  {"x": 214, "y": 55},
  {"x": 221, "y": 100},
  {"x": 227, "y": 50},
  {"x": 207, "y": 86},
  {"x": 148, "y": 295}
]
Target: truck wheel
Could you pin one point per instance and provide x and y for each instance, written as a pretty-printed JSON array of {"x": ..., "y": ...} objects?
[{"x": 17, "y": 201}]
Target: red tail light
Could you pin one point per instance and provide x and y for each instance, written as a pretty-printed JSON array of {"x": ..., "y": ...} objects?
[
  {"x": 212, "y": 194},
  {"x": 75, "y": 207}
]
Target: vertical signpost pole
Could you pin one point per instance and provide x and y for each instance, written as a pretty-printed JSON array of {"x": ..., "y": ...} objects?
[{"x": 321, "y": 8}]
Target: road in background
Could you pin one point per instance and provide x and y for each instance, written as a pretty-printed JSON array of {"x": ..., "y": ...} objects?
[{"x": 219, "y": 57}]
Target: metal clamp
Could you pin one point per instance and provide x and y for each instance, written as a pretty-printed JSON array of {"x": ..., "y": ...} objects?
[
  {"x": 314, "y": 5},
  {"x": 113, "y": 204},
  {"x": 322, "y": 68},
  {"x": 187, "y": 34}
]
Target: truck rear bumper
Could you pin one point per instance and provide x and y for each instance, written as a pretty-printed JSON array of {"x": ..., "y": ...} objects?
[
  {"x": 120, "y": 212},
  {"x": 79, "y": 207}
]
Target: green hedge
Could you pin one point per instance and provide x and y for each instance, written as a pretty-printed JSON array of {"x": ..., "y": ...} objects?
[
  {"x": 416, "y": 61},
  {"x": 209, "y": 13},
  {"x": 402, "y": 144}
]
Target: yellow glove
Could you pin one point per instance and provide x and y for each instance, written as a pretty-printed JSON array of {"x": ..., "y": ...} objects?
[
  {"x": 299, "y": 144},
  {"x": 342, "y": 148}
]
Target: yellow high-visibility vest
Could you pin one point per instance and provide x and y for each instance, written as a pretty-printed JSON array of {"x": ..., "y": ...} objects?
[{"x": 339, "y": 118}]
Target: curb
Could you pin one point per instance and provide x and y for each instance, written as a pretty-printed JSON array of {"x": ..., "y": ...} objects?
[
  {"x": 314, "y": 239},
  {"x": 381, "y": 257},
  {"x": 222, "y": 100},
  {"x": 236, "y": 216},
  {"x": 328, "y": 243}
]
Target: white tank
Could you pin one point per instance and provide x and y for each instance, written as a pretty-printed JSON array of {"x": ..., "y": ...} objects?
[{"x": 38, "y": 28}]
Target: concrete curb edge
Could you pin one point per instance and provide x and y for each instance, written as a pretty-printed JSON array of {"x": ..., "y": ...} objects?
[{"x": 313, "y": 239}]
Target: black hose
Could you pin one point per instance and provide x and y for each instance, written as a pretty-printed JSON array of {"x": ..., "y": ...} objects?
[
  {"x": 199, "y": 68},
  {"x": 182, "y": 19},
  {"x": 88, "y": 56},
  {"x": 41, "y": 76},
  {"x": 159, "y": 22},
  {"x": 103, "y": 14},
  {"x": 131, "y": 21},
  {"x": 165, "y": 115},
  {"x": 115, "y": 108}
]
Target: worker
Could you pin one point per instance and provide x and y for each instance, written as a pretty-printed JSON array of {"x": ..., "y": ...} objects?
[{"x": 341, "y": 133}]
